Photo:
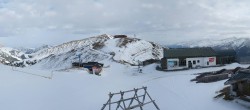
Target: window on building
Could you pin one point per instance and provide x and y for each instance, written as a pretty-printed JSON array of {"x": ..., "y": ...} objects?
[
  {"x": 194, "y": 62},
  {"x": 198, "y": 61},
  {"x": 175, "y": 63},
  {"x": 172, "y": 63},
  {"x": 182, "y": 62}
]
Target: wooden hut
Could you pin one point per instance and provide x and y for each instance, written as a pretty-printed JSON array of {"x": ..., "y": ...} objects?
[{"x": 93, "y": 67}]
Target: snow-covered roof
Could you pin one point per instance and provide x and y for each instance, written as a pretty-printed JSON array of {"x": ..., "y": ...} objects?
[{"x": 239, "y": 76}]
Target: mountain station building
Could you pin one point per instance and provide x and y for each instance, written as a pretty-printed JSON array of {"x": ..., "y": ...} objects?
[
  {"x": 225, "y": 56},
  {"x": 182, "y": 58}
]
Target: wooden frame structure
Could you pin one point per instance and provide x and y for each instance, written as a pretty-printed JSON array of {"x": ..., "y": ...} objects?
[{"x": 138, "y": 100}]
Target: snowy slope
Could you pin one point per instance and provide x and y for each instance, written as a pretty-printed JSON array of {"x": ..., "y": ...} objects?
[
  {"x": 78, "y": 90},
  {"x": 13, "y": 52},
  {"x": 33, "y": 50},
  {"x": 134, "y": 51},
  {"x": 99, "y": 48},
  {"x": 66, "y": 47},
  {"x": 8, "y": 55},
  {"x": 64, "y": 60}
]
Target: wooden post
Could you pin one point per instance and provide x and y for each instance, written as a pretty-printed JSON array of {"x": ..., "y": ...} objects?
[
  {"x": 136, "y": 97},
  {"x": 151, "y": 99},
  {"x": 108, "y": 102}
]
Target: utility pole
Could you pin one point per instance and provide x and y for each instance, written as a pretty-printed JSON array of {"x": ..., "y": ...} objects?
[
  {"x": 79, "y": 56},
  {"x": 139, "y": 67}
]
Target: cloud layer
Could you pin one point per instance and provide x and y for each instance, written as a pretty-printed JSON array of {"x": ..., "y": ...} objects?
[{"x": 36, "y": 22}]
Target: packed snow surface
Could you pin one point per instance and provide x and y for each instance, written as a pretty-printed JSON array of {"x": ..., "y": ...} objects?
[{"x": 75, "y": 89}]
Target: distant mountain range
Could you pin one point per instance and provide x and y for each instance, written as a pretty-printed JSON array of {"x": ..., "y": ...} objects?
[
  {"x": 8, "y": 55},
  {"x": 240, "y": 45},
  {"x": 33, "y": 50},
  {"x": 101, "y": 48}
]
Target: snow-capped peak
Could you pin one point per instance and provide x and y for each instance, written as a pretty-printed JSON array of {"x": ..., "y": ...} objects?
[
  {"x": 233, "y": 42},
  {"x": 8, "y": 55},
  {"x": 68, "y": 46},
  {"x": 99, "y": 48}
]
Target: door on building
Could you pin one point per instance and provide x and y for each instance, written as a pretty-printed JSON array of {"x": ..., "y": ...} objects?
[{"x": 190, "y": 65}]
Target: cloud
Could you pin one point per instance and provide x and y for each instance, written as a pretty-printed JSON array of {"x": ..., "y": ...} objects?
[{"x": 165, "y": 21}]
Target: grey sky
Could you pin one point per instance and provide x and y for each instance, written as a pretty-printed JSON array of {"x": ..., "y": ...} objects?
[{"x": 31, "y": 23}]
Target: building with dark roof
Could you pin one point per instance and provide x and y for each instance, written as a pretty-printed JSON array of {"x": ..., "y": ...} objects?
[
  {"x": 180, "y": 58},
  {"x": 189, "y": 52},
  {"x": 120, "y": 36},
  {"x": 226, "y": 56}
]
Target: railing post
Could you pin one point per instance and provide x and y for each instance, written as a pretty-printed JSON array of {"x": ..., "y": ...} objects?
[{"x": 121, "y": 102}]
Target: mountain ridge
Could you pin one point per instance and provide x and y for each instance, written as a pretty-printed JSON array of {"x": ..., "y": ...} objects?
[
  {"x": 101, "y": 48},
  {"x": 240, "y": 45}
]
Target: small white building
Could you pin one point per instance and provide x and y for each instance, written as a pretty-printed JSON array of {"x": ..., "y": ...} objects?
[{"x": 181, "y": 58}]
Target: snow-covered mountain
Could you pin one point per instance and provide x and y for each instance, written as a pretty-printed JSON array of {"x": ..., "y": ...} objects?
[
  {"x": 8, "y": 55},
  {"x": 33, "y": 50},
  {"x": 240, "y": 45},
  {"x": 229, "y": 43},
  {"x": 98, "y": 48}
]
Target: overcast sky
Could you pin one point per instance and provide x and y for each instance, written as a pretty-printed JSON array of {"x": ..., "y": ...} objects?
[{"x": 31, "y": 23}]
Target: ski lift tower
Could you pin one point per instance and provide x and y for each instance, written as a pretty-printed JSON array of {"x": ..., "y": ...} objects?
[
  {"x": 139, "y": 67},
  {"x": 79, "y": 57}
]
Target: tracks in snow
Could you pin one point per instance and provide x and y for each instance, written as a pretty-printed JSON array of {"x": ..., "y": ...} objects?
[{"x": 33, "y": 74}]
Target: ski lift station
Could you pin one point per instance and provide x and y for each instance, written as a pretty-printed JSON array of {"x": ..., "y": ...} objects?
[{"x": 183, "y": 58}]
